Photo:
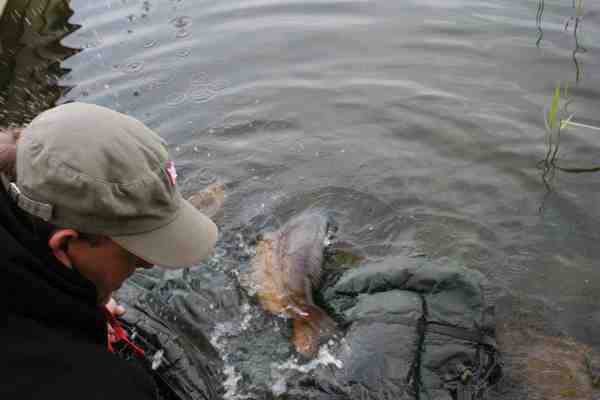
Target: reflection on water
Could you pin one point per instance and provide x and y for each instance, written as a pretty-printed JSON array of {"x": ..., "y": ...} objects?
[
  {"x": 574, "y": 21},
  {"x": 30, "y": 57}
]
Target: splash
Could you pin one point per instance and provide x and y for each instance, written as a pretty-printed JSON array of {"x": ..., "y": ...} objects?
[
  {"x": 324, "y": 358},
  {"x": 219, "y": 339}
]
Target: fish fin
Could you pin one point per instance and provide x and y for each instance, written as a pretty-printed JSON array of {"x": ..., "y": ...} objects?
[
  {"x": 210, "y": 200},
  {"x": 312, "y": 330}
]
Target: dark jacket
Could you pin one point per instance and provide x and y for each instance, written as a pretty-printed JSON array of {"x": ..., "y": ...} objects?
[{"x": 53, "y": 342}]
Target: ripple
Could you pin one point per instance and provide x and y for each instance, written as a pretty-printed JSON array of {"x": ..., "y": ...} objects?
[
  {"x": 219, "y": 84},
  {"x": 199, "y": 79},
  {"x": 149, "y": 43},
  {"x": 133, "y": 67},
  {"x": 182, "y": 33},
  {"x": 181, "y": 21},
  {"x": 205, "y": 176},
  {"x": 201, "y": 94},
  {"x": 175, "y": 99},
  {"x": 183, "y": 53},
  {"x": 161, "y": 82}
]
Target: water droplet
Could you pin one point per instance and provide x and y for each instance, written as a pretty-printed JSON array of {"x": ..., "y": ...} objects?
[
  {"x": 182, "y": 33},
  {"x": 157, "y": 359},
  {"x": 149, "y": 44},
  {"x": 175, "y": 99},
  {"x": 181, "y": 21}
]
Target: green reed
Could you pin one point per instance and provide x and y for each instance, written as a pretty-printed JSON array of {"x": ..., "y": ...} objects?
[{"x": 558, "y": 119}]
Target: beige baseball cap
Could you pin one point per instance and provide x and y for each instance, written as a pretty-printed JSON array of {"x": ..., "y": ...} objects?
[{"x": 95, "y": 170}]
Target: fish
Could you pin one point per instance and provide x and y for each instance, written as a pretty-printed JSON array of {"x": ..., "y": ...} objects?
[{"x": 285, "y": 270}]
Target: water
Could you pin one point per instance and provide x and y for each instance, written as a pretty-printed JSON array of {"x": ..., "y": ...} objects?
[{"x": 418, "y": 123}]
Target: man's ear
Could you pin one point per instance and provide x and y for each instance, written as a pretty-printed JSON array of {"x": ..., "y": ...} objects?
[{"x": 58, "y": 243}]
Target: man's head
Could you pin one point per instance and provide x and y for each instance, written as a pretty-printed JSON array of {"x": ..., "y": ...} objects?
[{"x": 94, "y": 170}]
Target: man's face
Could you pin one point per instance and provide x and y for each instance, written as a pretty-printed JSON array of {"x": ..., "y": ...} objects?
[{"x": 103, "y": 262}]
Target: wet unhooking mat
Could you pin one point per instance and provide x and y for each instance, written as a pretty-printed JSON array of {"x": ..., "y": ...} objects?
[{"x": 410, "y": 330}]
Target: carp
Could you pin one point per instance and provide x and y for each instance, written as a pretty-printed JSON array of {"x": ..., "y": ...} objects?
[{"x": 286, "y": 269}]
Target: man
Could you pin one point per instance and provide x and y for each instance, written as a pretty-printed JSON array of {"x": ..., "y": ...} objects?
[{"x": 93, "y": 197}]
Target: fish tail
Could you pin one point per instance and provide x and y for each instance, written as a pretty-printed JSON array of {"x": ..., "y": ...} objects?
[{"x": 312, "y": 330}]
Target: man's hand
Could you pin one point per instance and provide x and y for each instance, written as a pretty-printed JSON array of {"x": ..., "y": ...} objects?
[{"x": 116, "y": 310}]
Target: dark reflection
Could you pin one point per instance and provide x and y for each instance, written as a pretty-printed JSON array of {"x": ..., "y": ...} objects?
[
  {"x": 538, "y": 22},
  {"x": 575, "y": 21},
  {"x": 30, "y": 57}
]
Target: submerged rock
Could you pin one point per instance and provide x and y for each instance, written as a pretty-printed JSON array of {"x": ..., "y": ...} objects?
[{"x": 549, "y": 367}]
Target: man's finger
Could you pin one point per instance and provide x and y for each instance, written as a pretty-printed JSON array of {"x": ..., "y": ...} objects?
[{"x": 115, "y": 308}]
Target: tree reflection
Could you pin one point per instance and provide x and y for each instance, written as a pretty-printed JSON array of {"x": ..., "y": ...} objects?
[{"x": 30, "y": 57}]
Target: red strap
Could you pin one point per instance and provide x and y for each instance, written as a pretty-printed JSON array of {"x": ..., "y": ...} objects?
[{"x": 121, "y": 334}]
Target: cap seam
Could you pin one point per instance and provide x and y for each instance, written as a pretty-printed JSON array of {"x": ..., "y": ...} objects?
[
  {"x": 62, "y": 164},
  {"x": 175, "y": 216},
  {"x": 151, "y": 174}
]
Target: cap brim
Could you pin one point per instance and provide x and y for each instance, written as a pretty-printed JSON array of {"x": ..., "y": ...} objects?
[{"x": 183, "y": 242}]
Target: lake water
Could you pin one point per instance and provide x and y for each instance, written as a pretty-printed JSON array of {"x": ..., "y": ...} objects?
[{"x": 418, "y": 123}]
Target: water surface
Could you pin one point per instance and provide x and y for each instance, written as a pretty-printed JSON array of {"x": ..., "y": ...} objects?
[{"x": 418, "y": 123}]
